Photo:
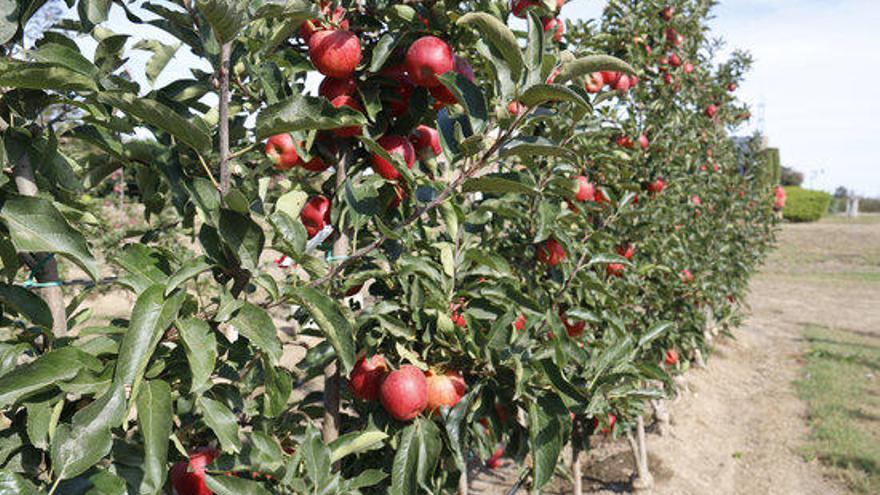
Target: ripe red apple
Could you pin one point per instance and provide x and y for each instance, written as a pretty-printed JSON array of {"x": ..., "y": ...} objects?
[
  {"x": 520, "y": 322},
  {"x": 331, "y": 88},
  {"x": 316, "y": 165},
  {"x": 574, "y": 329},
  {"x": 657, "y": 186},
  {"x": 615, "y": 269},
  {"x": 458, "y": 319},
  {"x": 696, "y": 201},
  {"x": 441, "y": 93},
  {"x": 624, "y": 83},
  {"x": 517, "y": 7},
  {"x": 667, "y": 13},
  {"x": 555, "y": 25},
  {"x": 188, "y": 477},
  {"x": 335, "y": 53},
  {"x": 399, "y": 195},
  {"x": 667, "y": 78},
  {"x": 315, "y": 215},
  {"x": 643, "y": 142},
  {"x": 674, "y": 60},
  {"x": 673, "y": 37},
  {"x": 402, "y": 89},
  {"x": 612, "y": 419},
  {"x": 686, "y": 276},
  {"x": 711, "y": 110},
  {"x": 688, "y": 67},
  {"x": 731, "y": 87},
  {"x": 624, "y": 142},
  {"x": 393, "y": 145},
  {"x": 404, "y": 393},
  {"x": 426, "y": 142},
  {"x": 281, "y": 150},
  {"x": 427, "y": 58},
  {"x": 347, "y": 101},
  {"x": 626, "y": 250},
  {"x": 550, "y": 252},
  {"x": 444, "y": 390},
  {"x": 610, "y": 77},
  {"x": 671, "y": 357},
  {"x": 584, "y": 189},
  {"x": 594, "y": 83},
  {"x": 515, "y": 108},
  {"x": 308, "y": 28},
  {"x": 494, "y": 462},
  {"x": 366, "y": 377}
]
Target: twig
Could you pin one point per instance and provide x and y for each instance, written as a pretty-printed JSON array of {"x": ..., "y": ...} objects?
[
  {"x": 225, "y": 51},
  {"x": 208, "y": 171}
]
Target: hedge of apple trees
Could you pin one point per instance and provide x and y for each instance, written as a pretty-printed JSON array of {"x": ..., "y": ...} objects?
[{"x": 492, "y": 239}]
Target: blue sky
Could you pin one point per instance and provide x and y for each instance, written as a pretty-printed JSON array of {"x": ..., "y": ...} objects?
[{"x": 816, "y": 65}]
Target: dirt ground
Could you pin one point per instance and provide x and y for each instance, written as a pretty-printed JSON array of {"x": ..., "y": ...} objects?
[{"x": 739, "y": 427}]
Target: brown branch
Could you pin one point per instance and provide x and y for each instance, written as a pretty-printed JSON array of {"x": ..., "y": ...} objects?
[{"x": 225, "y": 51}]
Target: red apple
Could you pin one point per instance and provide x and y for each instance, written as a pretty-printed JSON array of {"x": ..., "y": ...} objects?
[
  {"x": 688, "y": 67},
  {"x": 671, "y": 357},
  {"x": 667, "y": 13},
  {"x": 610, "y": 77},
  {"x": 331, "y": 88},
  {"x": 281, "y": 150},
  {"x": 624, "y": 83},
  {"x": 608, "y": 429},
  {"x": 335, "y": 53},
  {"x": 494, "y": 462},
  {"x": 686, "y": 276},
  {"x": 393, "y": 145},
  {"x": 667, "y": 78},
  {"x": 315, "y": 164},
  {"x": 643, "y": 142},
  {"x": 427, "y": 58},
  {"x": 555, "y": 25},
  {"x": 308, "y": 28},
  {"x": 515, "y": 107},
  {"x": 615, "y": 269},
  {"x": 347, "y": 101},
  {"x": 584, "y": 190},
  {"x": 550, "y": 252},
  {"x": 657, "y": 186},
  {"x": 594, "y": 83},
  {"x": 404, "y": 393},
  {"x": 402, "y": 89},
  {"x": 573, "y": 329},
  {"x": 366, "y": 377},
  {"x": 517, "y": 7},
  {"x": 444, "y": 390},
  {"x": 626, "y": 250},
  {"x": 624, "y": 142},
  {"x": 188, "y": 477},
  {"x": 673, "y": 37},
  {"x": 399, "y": 195},
  {"x": 426, "y": 142},
  {"x": 731, "y": 87},
  {"x": 674, "y": 60},
  {"x": 520, "y": 322},
  {"x": 315, "y": 215},
  {"x": 711, "y": 110}
]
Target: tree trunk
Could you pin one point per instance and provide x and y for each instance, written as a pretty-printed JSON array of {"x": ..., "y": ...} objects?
[
  {"x": 698, "y": 359},
  {"x": 576, "y": 471},
  {"x": 643, "y": 480},
  {"x": 463, "y": 483},
  {"x": 661, "y": 415},
  {"x": 225, "y": 175},
  {"x": 48, "y": 273}
]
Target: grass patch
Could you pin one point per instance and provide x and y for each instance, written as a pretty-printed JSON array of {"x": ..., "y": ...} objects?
[{"x": 841, "y": 384}]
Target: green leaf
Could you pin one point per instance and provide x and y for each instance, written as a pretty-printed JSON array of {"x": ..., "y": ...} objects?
[
  {"x": 496, "y": 185},
  {"x": 417, "y": 454},
  {"x": 41, "y": 75},
  {"x": 47, "y": 370},
  {"x": 291, "y": 11},
  {"x": 290, "y": 231},
  {"x": 305, "y": 113},
  {"x": 36, "y": 226},
  {"x": 383, "y": 49},
  {"x": 243, "y": 236},
  {"x": 654, "y": 332},
  {"x": 545, "y": 437},
  {"x": 356, "y": 442},
  {"x": 151, "y": 315},
  {"x": 79, "y": 446},
  {"x": 8, "y": 28},
  {"x": 55, "y": 53},
  {"x": 154, "y": 413},
  {"x": 232, "y": 485},
  {"x": 531, "y": 146},
  {"x": 334, "y": 325},
  {"x": 255, "y": 323},
  {"x": 189, "y": 269},
  {"x": 160, "y": 116},
  {"x": 593, "y": 63},
  {"x": 200, "y": 347},
  {"x": 26, "y": 303},
  {"x": 534, "y": 56},
  {"x": 39, "y": 422},
  {"x": 470, "y": 96},
  {"x": 145, "y": 266},
  {"x": 499, "y": 36},
  {"x": 226, "y": 17},
  {"x": 93, "y": 12},
  {"x": 542, "y": 93},
  {"x": 278, "y": 385},
  {"x": 16, "y": 484},
  {"x": 162, "y": 54},
  {"x": 222, "y": 421}
]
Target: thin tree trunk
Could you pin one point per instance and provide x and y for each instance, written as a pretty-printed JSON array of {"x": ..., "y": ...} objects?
[
  {"x": 27, "y": 186},
  {"x": 225, "y": 175},
  {"x": 463, "y": 483},
  {"x": 644, "y": 481},
  {"x": 576, "y": 471}
]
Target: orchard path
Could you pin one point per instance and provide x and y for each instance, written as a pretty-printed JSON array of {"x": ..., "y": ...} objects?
[{"x": 739, "y": 427}]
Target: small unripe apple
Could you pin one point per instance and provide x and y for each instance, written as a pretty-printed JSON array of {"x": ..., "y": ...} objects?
[
  {"x": 427, "y": 58},
  {"x": 393, "y": 145},
  {"x": 584, "y": 189},
  {"x": 594, "y": 83},
  {"x": 711, "y": 110},
  {"x": 426, "y": 142},
  {"x": 315, "y": 215},
  {"x": 188, "y": 477},
  {"x": 366, "y": 377},
  {"x": 331, "y": 88},
  {"x": 444, "y": 390},
  {"x": 281, "y": 150},
  {"x": 643, "y": 142},
  {"x": 550, "y": 252},
  {"x": 555, "y": 25},
  {"x": 404, "y": 393},
  {"x": 335, "y": 53},
  {"x": 671, "y": 357}
]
